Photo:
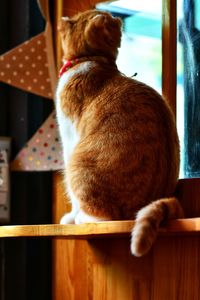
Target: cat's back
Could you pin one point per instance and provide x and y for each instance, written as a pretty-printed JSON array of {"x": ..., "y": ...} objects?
[
  {"x": 130, "y": 131},
  {"x": 111, "y": 95}
]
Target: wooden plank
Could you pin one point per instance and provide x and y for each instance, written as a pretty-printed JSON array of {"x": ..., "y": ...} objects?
[
  {"x": 169, "y": 33},
  {"x": 105, "y": 269},
  {"x": 95, "y": 230},
  {"x": 188, "y": 191},
  {"x": 176, "y": 268}
]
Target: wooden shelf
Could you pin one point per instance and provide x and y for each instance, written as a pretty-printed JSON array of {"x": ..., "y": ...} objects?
[{"x": 94, "y": 230}]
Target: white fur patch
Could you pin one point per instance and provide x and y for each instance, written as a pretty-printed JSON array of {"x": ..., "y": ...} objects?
[
  {"x": 67, "y": 128},
  {"x": 68, "y": 133},
  {"x": 65, "y": 18},
  {"x": 69, "y": 218},
  {"x": 82, "y": 217}
]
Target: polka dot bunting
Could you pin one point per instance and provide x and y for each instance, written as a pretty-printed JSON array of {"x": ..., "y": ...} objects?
[
  {"x": 29, "y": 67},
  {"x": 43, "y": 152}
]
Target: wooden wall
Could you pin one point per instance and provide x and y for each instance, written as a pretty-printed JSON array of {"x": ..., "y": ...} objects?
[{"x": 104, "y": 269}]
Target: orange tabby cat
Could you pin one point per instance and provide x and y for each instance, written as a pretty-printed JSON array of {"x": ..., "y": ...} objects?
[{"x": 119, "y": 138}]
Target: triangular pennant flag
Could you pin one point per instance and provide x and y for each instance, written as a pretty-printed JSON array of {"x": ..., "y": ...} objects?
[
  {"x": 30, "y": 66},
  {"x": 43, "y": 151}
]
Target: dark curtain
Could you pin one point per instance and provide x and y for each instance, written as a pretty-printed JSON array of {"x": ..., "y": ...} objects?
[
  {"x": 25, "y": 264},
  {"x": 190, "y": 38}
]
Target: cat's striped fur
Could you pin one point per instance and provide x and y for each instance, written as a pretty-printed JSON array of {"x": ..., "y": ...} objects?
[{"x": 125, "y": 153}]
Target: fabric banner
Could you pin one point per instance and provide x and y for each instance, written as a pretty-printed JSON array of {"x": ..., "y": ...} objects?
[
  {"x": 30, "y": 66},
  {"x": 43, "y": 151}
]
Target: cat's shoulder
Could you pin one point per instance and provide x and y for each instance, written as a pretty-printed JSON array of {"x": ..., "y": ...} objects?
[{"x": 72, "y": 74}]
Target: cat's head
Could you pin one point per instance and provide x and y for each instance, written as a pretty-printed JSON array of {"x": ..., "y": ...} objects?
[{"x": 90, "y": 33}]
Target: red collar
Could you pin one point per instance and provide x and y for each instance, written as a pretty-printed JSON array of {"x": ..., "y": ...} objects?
[
  {"x": 67, "y": 65},
  {"x": 70, "y": 63}
]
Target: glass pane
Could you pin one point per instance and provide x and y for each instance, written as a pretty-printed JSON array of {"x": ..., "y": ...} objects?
[
  {"x": 140, "y": 51},
  {"x": 188, "y": 83}
]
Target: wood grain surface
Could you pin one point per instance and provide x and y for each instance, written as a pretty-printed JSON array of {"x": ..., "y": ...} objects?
[
  {"x": 104, "y": 269},
  {"x": 96, "y": 230},
  {"x": 169, "y": 44}
]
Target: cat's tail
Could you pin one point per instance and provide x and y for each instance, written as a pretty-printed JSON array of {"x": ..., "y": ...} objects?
[{"x": 148, "y": 220}]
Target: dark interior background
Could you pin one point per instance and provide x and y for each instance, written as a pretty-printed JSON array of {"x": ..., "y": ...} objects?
[{"x": 25, "y": 264}]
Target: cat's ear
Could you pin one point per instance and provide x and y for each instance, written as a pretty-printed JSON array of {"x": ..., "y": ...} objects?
[
  {"x": 104, "y": 29},
  {"x": 64, "y": 23}
]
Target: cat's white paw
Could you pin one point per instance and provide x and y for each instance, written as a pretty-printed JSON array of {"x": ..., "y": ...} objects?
[
  {"x": 68, "y": 219},
  {"x": 82, "y": 217}
]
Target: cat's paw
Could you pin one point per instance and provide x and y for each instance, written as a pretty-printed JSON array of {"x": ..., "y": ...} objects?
[
  {"x": 67, "y": 219},
  {"x": 82, "y": 217}
]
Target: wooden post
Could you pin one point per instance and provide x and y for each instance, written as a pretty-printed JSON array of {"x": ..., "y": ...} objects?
[{"x": 169, "y": 32}]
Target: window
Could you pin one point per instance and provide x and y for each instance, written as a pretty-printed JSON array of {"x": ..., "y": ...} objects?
[{"x": 141, "y": 54}]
